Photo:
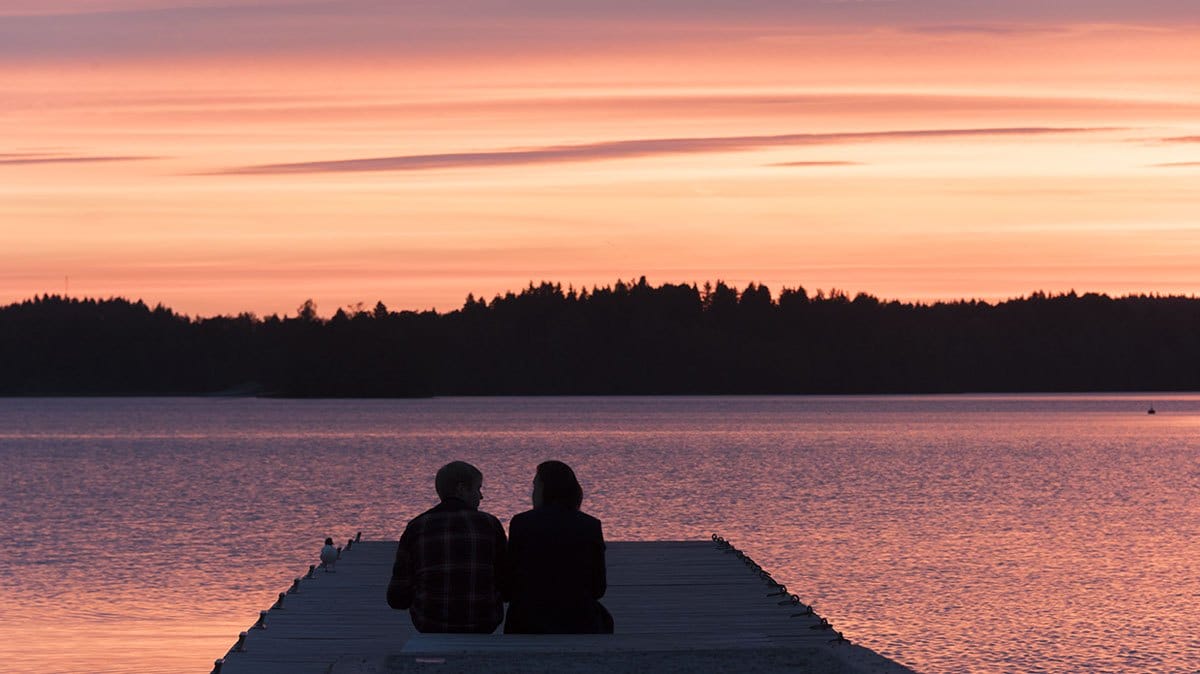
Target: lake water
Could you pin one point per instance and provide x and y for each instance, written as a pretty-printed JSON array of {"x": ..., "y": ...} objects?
[{"x": 953, "y": 534}]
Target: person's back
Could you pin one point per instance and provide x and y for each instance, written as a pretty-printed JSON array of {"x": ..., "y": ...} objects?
[
  {"x": 556, "y": 561},
  {"x": 449, "y": 561}
]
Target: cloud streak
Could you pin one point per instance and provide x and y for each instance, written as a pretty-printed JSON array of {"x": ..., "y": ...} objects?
[
  {"x": 1176, "y": 164},
  {"x": 817, "y": 163},
  {"x": 24, "y": 158},
  {"x": 631, "y": 149},
  {"x": 983, "y": 29}
]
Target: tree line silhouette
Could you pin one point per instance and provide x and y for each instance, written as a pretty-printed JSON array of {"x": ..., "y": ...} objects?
[{"x": 628, "y": 338}]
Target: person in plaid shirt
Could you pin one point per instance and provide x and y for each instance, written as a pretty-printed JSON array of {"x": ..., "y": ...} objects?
[{"x": 448, "y": 570}]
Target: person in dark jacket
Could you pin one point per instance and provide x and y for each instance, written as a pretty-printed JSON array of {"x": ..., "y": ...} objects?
[
  {"x": 556, "y": 561},
  {"x": 450, "y": 564}
]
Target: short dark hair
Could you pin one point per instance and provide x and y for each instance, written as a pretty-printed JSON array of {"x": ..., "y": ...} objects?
[
  {"x": 559, "y": 485},
  {"x": 453, "y": 474}
]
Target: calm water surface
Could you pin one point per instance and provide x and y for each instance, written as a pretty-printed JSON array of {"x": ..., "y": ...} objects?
[{"x": 954, "y": 534}]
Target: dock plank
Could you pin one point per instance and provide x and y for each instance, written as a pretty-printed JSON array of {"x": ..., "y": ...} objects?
[{"x": 690, "y": 598}]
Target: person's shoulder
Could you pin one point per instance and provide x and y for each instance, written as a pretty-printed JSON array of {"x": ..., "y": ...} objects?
[
  {"x": 586, "y": 523},
  {"x": 427, "y": 514},
  {"x": 491, "y": 519},
  {"x": 522, "y": 518},
  {"x": 420, "y": 520},
  {"x": 415, "y": 528},
  {"x": 589, "y": 518},
  {"x": 575, "y": 519},
  {"x": 591, "y": 521}
]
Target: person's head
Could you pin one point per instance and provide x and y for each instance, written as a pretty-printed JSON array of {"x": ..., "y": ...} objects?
[
  {"x": 328, "y": 541},
  {"x": 555, "y": 484},
  {"x": 460, "y": 480}
]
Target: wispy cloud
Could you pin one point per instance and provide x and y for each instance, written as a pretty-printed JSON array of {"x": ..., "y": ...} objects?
[
  {"x": 817, "y": 163},
  {"x": 21, "y": 158},
  {"x": 639, "y": 105},
  {"x": 983, "y": 29},
  {"x": 631, "y": 149},
  {"x": 1182, "y": 139},
  {"x": 1176, "y": 164}
]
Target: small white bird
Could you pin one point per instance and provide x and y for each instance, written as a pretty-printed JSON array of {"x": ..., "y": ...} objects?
[{"x": 329, "y": 555}]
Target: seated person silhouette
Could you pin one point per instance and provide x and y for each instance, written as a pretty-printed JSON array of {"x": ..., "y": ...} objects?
[
  {"x": 556, "y": 561},
  {"x": 449, "y": 569}
]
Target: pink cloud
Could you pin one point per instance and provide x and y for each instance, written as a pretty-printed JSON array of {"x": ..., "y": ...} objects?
[
  {"x": 630, "y": 149},
  {"x": 23, "y": 158}
]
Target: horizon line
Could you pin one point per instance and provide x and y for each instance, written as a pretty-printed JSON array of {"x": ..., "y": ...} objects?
[{"x": 817, "y": 294}]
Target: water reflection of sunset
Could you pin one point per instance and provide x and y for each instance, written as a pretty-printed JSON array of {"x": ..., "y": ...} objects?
[
  {"x": 953, "y": 533},
  {"x": 429, "y": 155}
]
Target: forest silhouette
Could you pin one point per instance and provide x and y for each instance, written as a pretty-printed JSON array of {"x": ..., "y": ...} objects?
[{"x": 629, "y": 338}]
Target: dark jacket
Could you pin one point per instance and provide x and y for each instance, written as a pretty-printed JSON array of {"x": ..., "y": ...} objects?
[
  {"x": 556, "y": 573},
  {"x": 449, "y": 570}
]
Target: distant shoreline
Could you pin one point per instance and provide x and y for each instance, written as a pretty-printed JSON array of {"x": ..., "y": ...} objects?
[
  {"x": 626, "y": 340},
  {"x": 1133, "y": 395}
]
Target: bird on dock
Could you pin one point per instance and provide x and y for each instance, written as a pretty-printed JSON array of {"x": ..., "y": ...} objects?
[{"x": 329, "y": 555}]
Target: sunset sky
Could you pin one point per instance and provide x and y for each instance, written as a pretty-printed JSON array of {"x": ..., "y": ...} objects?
[{"x": 221, "y": 156}]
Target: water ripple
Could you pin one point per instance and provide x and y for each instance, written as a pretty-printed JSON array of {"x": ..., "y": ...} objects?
[{"x": 976, "y": 533}]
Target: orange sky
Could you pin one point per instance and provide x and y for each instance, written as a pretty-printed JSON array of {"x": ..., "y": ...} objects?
[{"x": 219, "y": 157}]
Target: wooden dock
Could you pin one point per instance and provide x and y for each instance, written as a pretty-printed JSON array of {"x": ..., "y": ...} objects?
[{"x": 689, "y": 606}]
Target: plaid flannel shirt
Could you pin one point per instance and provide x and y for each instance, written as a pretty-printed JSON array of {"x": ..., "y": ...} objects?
[{"x": 448, "y": 570}]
